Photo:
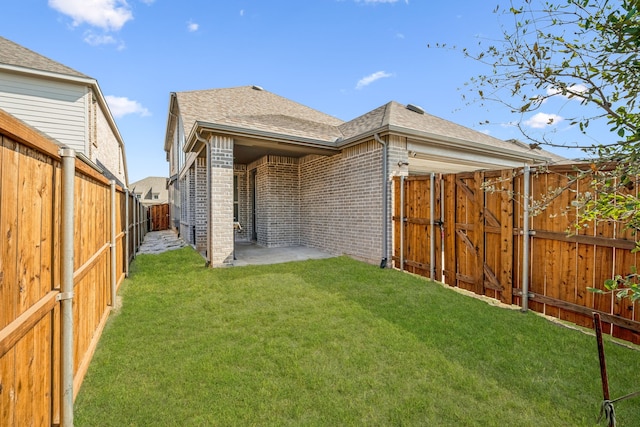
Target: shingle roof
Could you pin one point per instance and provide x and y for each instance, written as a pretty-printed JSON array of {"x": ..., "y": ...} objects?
[
  {"x": 252, "y": 108},
  {"x": 19, "y": 56},
  {"x": 398, "y": 115}
]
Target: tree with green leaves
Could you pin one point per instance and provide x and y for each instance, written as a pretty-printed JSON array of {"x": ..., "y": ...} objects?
[{"x": 587, "y": 50}]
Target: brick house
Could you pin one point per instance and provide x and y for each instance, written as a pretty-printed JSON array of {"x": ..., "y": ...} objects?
[
  {"x": 291, "y": 175},
  {"x": 64, "y": 104}
]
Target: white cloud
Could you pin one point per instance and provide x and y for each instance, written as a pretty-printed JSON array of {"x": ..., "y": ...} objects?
[
  {"x": 579, "y": 89},
  {"x": 97, "y": 40},
  {"x": 366, "y": 81},
  {"x": 121, "y": 106},
  {"x": 241, "y": 12},
  {"x": 109, "y": 15},
  {"x": 542, "y": 120},
  {"x": 192, "y": 27}
]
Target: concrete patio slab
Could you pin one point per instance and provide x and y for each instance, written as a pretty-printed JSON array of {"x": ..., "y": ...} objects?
[
  {"x": 247, "y": 253},
  {"x": 251, "y": 254}
]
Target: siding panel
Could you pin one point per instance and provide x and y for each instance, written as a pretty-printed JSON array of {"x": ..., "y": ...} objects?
[{"x": 57, "y": 109}]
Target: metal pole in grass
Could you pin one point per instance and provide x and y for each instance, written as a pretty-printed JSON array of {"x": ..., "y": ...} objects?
[
  {"x": 66, "y": 286},
  {"x": 606, "y": 409},
  {"x": 607, "y": 406}
]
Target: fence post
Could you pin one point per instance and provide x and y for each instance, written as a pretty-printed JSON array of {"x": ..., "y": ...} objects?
[
  {"x": 135, "y": 226},
  {"x": 126, "y": 232},
  {"x": 113, "y": 243},
  {"x": 526, "y": 240},
  {"x": 432, "y": 224},
  {"x": 402, "y": 222},
  {"x": 66, "y": 286}
]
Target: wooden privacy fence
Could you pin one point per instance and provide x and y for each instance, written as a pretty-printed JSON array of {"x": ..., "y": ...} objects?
[
  {"x": 474, "y": 239},
  {"x": 108, "y": 226}
]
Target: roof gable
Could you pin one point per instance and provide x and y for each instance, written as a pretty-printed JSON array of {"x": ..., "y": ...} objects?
[{"x": 253, "y": 108}]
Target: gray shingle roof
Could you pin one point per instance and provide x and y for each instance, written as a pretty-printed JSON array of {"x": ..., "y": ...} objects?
[
  {"x": 398, "y": 115},
  {"x": 258, "y": 110},
  {"x": 19, "y": 56}
]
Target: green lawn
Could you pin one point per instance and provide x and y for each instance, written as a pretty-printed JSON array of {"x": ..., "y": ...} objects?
[{"x": 335, "y": 342}]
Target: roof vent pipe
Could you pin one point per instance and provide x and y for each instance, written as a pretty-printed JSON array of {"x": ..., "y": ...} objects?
[{"x": 415, "y": 108}]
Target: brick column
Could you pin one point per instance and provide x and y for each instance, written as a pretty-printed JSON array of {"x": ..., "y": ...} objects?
[
  {"x": 221, "y": 236},
  {"x": 199, "y": 215}
]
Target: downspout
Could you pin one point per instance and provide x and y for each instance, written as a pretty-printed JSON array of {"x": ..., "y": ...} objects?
[
  {"x": 385, "y": 201},
  {"x": 526, "y": 240},
  {"x": 66, "y": 286}
]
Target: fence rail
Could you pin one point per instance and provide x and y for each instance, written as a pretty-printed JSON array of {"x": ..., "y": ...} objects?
[
  {"x": 482, "y": 243},
  {"x": 30, "y": 269}
]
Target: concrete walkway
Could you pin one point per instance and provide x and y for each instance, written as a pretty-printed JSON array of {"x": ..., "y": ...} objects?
[
  {"x": 247, "y": 253},
  {"x": 156, "y": 242}
]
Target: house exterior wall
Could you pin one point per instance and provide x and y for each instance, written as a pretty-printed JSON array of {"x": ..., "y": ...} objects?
[
  {"x": 332, "y": 203},
  {"x": 56, "y": 108},
  {"x": 104, "y": 148},
  {"x": 341, "y": 202},
  {"x": 278, "y": 201}
]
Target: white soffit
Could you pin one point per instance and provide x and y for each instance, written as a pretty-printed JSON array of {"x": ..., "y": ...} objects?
[{"x": 451, "y": 160}]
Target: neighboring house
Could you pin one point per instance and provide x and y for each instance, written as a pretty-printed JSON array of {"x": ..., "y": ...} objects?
[
  {"x": 291, "y": 175},
  {"x": 64, "y": 104},
  {"x": 151, "y": 190}
]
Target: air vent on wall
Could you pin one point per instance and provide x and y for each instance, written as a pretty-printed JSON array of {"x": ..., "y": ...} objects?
[{"x": 415, "y": 109}]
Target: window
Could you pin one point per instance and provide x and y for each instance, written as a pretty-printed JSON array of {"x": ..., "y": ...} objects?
[{"x": 156, "y": 196}]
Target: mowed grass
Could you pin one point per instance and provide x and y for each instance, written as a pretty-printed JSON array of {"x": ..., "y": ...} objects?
[{"x": 335, "y": 342}]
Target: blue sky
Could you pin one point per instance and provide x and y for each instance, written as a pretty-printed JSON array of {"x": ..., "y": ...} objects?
[{"x": 342, "y": 57}]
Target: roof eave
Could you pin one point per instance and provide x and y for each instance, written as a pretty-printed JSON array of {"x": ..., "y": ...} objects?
[
  {"x": 445, "y": 141},
  {"x": 171, "y": 117},
  {"x": 200, "y": 126}
]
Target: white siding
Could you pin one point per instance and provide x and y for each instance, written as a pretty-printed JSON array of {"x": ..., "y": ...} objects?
[{"x": 55, "y": 108}]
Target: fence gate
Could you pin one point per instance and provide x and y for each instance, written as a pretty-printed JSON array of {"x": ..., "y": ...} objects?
[
  {"x": 478, "y": 234},
  {"x": 417, "y": 221},
  {"x": 159, "y": 216}
]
